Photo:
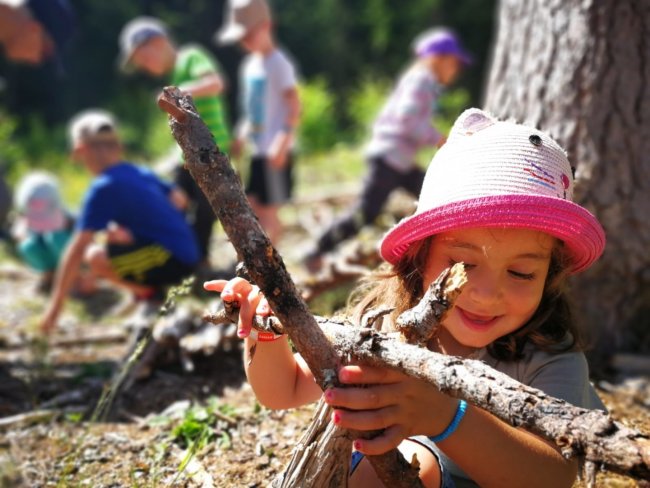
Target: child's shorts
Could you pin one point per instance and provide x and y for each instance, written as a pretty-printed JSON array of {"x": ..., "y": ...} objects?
[
  {"x": 268, "y": 185},
  {"x": 445, "y": 477},
  {"x": 148, "y": 264},
  {"x": 42, "y": 252}
]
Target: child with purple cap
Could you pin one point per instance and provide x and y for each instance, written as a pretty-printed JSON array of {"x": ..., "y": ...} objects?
[
  {"x": 402, "y": 128},
  {"x": 497, "y": 197}
]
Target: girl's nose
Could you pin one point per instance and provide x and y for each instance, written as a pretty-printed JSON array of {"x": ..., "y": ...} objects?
[{"x": 483, "y": 288}]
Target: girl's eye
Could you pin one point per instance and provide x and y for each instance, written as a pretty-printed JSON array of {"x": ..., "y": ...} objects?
[
  {"x": 465, "y": 263},
  {"x": 522, "y": 276}
]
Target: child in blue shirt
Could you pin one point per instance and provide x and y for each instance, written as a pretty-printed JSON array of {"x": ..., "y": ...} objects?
[{"x": 149, "y": 245}]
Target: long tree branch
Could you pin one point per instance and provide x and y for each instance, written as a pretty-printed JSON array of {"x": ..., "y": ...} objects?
[
  {"x": 589, "y": 434},
  {"x": 212, "y": 171}
]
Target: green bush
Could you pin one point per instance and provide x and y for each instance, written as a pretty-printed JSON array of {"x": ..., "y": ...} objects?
[
  {"x": 318, "y": 128},
  {"x": 363, "y": 104}
]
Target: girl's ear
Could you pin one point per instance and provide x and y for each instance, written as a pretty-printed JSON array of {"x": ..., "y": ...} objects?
[{"x": 470, "y": 122}]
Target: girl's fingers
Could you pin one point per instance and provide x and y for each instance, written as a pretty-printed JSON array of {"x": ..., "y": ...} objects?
[
  {"x": 263, "y": 308},
  {"x": 237, "y": 287},
  {"x": 214, "y": 285},
  {"x": 381, "y": 418},
  {"x": 370, "y": 398},
  {"x": 387, "y": 440},
  {"x": 241, "y": 292},
  {"x": 362, "y": 375},
  {"x": 247, "y": 309}
]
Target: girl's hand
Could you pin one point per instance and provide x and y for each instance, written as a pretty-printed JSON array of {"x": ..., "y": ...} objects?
[
  {"x": 247, "y": 297},
  {"x": 400, "y": 405}
]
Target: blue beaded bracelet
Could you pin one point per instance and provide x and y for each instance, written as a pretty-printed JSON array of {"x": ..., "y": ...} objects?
[{"x": 453, "y": 425}]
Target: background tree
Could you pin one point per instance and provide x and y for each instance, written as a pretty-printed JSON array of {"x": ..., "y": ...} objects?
[{"x": 580, "y": 70}]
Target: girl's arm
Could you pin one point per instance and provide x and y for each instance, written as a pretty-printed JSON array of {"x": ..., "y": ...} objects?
[
  {"x": 279, "y": 378},
  {"x": 496, "y": 454},
  {"x": 491, "y": 452}
]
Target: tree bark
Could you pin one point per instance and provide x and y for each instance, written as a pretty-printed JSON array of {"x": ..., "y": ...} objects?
[{"x": 581, "y": 71}]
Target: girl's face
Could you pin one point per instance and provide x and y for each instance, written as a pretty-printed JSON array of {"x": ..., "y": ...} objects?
[{"x": 506, "y": 270}]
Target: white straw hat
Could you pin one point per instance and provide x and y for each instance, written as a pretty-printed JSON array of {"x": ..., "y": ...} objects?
[{"x": 492, "y": 173}]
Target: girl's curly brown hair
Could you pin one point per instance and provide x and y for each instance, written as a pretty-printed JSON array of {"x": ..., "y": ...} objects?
[{"x": 551, "y": 328}]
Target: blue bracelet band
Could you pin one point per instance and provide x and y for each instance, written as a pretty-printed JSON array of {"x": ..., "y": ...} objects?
[{"x": 453, "y": 425}]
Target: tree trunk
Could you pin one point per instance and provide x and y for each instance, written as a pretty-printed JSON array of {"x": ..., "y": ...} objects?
[{"x": 580, "y": 70}]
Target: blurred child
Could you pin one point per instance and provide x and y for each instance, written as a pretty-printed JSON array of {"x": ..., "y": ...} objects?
[
  {"x": 42, "y": 226},
  {"x": 148, "y": 244},
  {"x": 34, "y": 31},
  {"x": 146, "y": 46},
  {"x": 402, "y": 128},
  {"x": 270, "y": 111},
  {"x": 498, "y": 198}
]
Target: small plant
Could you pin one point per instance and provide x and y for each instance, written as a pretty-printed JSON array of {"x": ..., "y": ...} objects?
[
  {"x": 174, "y": 293},
  {"x": 198, "y": 428},
  {"x": 195, "y": 430}
]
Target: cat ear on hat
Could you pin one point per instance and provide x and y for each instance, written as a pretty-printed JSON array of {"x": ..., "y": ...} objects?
[{"x": 470, "y": 122}]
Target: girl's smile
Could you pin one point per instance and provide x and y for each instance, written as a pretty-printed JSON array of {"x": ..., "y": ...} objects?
[{"x": 477, "y": 322}]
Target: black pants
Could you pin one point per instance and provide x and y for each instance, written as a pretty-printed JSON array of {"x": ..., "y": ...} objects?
[
  {"x": 380, "y": 182},
  {"x": 199, "y": 214}
]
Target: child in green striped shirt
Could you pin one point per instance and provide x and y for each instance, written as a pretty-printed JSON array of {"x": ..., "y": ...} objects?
[{"x": 146, "y": 46}]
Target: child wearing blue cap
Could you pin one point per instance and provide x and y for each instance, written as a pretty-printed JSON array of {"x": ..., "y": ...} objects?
[
  {"x": 130, "y": 230},
  {"x": 402, "y": 128}
]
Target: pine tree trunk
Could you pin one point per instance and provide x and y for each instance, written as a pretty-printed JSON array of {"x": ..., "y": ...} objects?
[{"x": 581, "y": 71}]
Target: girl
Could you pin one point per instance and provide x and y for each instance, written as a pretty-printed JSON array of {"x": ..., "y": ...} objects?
[{"x": 496, "y": 197}]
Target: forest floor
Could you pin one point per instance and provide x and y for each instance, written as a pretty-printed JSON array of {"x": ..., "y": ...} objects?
[{"x": 173, "y": 428}]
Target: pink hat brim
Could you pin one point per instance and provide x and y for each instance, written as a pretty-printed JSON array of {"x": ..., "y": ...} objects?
[{"x": 580, "y": 231}]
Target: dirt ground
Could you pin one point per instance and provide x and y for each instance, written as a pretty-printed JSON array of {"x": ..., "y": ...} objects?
[{"x": 65, "y": 440}]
